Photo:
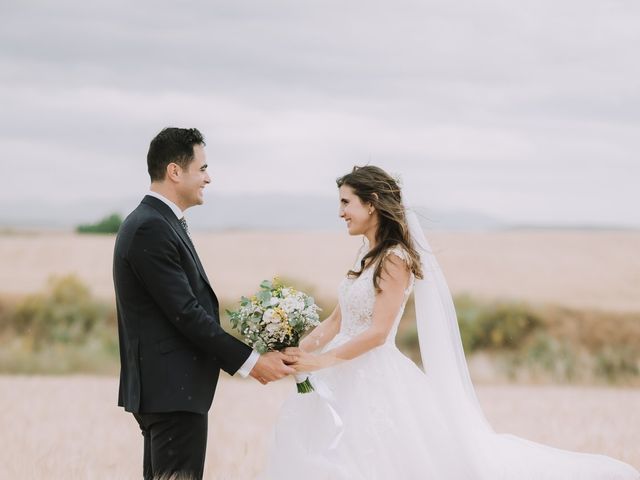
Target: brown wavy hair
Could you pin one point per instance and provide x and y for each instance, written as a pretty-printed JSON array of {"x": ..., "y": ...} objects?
[{"x": 375, "y": 186}]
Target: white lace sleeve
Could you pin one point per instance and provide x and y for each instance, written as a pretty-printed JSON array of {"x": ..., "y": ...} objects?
[{"x": 399, "y": 252}]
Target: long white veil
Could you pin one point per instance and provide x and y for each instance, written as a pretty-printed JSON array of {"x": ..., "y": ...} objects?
[{"x": 490, "y": 455}]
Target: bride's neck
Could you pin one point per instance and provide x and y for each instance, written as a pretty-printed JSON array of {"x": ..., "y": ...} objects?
[{"x": 371, "y": 240}]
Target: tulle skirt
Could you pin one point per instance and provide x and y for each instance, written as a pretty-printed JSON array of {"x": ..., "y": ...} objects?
[{"x": 379, "y": 419}]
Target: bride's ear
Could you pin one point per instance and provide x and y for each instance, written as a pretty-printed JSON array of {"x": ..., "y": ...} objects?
[{"x": 372, "y": 207}]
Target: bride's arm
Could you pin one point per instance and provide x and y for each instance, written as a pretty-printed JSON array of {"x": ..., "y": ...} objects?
[
  {"x": 393, "y": 281},
  {"x": 323, "y": 333}
]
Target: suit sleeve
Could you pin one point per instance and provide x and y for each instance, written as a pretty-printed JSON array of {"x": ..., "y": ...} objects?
[{"x": 155, "y": 259}]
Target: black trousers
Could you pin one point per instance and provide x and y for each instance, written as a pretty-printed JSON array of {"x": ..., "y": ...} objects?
[{"x": 175, "y": 444}]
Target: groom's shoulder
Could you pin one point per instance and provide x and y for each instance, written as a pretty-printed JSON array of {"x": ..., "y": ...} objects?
[
  {"x": 144, "y": 217},
  {"x": 141, "y": 229}
]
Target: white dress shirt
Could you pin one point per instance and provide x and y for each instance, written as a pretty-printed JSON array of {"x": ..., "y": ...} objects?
[{"x": 248, "y": 365}]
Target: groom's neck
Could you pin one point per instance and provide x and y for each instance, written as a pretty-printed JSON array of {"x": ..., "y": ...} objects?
[{"x": 167, "y": 192}]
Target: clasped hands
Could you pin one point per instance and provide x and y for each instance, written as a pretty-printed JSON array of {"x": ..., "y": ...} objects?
[{"x": 273, "y": 366}]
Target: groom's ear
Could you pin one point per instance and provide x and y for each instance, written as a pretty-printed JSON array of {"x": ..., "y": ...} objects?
[{"x": 173, "y": 172}]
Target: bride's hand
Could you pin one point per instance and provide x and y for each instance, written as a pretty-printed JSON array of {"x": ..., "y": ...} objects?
[{"x": 308, "y": 362}]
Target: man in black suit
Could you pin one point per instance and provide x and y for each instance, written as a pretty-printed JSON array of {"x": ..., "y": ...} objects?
[{"x": 171, "y": 344}]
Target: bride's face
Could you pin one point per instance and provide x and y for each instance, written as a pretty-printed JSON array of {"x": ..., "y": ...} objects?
[{"x": 355, "y": 213}]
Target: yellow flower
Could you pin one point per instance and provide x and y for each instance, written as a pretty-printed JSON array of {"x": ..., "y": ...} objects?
[{"x": 281, "y": 313}]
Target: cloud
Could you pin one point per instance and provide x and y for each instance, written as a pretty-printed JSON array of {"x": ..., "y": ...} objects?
[{"x": 513, "y": 109}]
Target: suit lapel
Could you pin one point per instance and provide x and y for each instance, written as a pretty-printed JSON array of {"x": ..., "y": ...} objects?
[{"x": 168, "y": 214}]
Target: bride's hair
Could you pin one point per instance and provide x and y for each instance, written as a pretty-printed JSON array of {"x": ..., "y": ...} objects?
[{"x": 375, "y": 186}]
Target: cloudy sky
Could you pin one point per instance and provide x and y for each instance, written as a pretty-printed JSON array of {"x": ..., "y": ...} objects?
[{"x": 523, "y": 111}]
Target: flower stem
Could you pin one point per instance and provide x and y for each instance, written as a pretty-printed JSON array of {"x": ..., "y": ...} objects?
[{"x": 305, "y": 387}]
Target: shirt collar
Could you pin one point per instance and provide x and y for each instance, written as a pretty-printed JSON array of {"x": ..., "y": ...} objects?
[{"x": 174, "y": 208}]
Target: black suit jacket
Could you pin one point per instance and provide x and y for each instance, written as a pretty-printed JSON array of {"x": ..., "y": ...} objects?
[{"x": 171, "y": 344}]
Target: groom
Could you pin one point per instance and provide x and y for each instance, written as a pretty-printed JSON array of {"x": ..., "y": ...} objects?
[{"x": 171, "y": 344}]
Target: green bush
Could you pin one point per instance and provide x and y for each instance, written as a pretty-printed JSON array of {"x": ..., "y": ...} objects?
[
  {"x": 109, "y": 224},
  {"x": 468, "y": 311},
  {"x": 501, "y": 326},
  {"x": 546, "y": 356},
  {"x": 60, "y": 330},
  {"x": 64, "y": 329},
  {"x": 483, "y": 326},
  {"x": 542, "y": 343},
  {"x": 612, "y": 364},
  {"x": 6, "y": 313},
  {"x": 65, "y": 313}
]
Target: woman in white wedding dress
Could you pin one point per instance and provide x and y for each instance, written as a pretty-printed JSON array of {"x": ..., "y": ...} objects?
[{"x": 374, "y": 413}]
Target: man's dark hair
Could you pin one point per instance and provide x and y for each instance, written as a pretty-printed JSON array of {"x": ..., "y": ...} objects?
[{"x": 172, "y": 145}]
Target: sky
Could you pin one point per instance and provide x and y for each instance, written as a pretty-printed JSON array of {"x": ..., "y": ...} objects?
[{"x": 527, "y": 112}]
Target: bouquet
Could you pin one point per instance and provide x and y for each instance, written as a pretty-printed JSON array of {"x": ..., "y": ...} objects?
[{"x": 276, "y": 318}]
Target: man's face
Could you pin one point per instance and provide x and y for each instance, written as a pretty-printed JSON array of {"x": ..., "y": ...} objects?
[{"x": 194, "y": 179}]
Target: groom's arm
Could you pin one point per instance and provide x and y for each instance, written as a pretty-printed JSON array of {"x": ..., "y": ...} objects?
[
  {"x": 247, "y": 366},
  {"x": 155, "y": 260}
]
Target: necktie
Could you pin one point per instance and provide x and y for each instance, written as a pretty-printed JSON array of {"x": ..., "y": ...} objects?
[{"x": 185, "y": 227}]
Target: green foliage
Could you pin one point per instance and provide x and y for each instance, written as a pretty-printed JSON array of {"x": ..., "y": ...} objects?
[
  {"x": 483, "y": 326},
  {"x": 64, "y": 313},
  {"x": 545, "y": 357},
  {"x": 495, "y": 326},
  {"x": 542, "y": 343},
  {"x": 7, "y": 308},
  {"x": 612, "y": 364},
  {"x": 468, "y": 311},
  {"x": 63, "y": 329},
  {"x": 109, "y": 224}
]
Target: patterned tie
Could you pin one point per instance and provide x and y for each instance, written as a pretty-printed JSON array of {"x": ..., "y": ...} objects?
[{"x": 185, "y": 227}]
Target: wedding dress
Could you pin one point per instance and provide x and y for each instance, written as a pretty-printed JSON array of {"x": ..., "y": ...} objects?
[{"x": 379, "y": 416}]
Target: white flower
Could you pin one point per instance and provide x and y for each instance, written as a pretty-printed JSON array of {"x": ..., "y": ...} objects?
[
  {"x": 275, "y": 301},
  {"x": 270, "y": 316},
  {"x": 286, "y": 292},
  {"x": 310, "y": 311},
  {"x": 273, "y": 328},
  {"x": 291, "y": 304}
]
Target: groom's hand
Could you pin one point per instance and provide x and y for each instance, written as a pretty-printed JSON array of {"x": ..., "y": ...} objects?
[{"x": 271, "y": 366}]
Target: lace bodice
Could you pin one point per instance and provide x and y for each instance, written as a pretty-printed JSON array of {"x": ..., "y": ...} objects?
[{"x": 357, "y": 297}]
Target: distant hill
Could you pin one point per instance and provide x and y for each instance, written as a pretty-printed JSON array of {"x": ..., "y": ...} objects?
[{"x": 245, "y": 212}]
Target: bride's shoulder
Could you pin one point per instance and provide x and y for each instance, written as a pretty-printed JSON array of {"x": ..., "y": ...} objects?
[{"x": 398, "y": 251}]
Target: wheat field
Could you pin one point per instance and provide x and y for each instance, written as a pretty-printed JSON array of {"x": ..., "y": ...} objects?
[
  {"x": 69, "y": 427},
  {"x": 582, "y": 269}
]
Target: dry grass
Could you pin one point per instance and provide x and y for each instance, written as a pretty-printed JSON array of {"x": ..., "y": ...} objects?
[
  {"x": 69, "y": 427},
  {"x": 579, "y": 269}
]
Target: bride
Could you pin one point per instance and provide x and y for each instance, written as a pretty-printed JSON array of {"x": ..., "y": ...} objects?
[{"x": 374, "y": 414}]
